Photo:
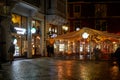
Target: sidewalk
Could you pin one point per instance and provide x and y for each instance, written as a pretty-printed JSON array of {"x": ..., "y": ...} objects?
[{"x": 49, "y": 68}]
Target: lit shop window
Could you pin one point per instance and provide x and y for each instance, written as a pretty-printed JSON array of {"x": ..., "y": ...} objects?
[
  {"x": 36, "y": 26},
  {"x": 19, "y": 21},
  {"x": 61, "y": 47},
  {"x": 16, "y": 19},
  {"x": 52, "y": 31}
]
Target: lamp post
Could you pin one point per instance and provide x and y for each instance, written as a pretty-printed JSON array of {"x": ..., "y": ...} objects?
[
  {"x": 85, "y": 36},
  {"x": 33, "y": 31}
]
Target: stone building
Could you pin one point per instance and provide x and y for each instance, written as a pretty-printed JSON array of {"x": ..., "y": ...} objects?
[
  {"x": 102, "y": 15},
  {"x": 19, "y": 17}
]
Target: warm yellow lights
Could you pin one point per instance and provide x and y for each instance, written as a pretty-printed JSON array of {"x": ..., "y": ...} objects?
[
  {"x": 38, "y": 37},
  {"x": 65, "y": 28},
  {"x": 16, "y": 18},
  {"x": 85, "y": 35}
]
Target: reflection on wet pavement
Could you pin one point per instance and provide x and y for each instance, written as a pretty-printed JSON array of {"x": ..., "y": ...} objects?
[{"x": 54, "y": 69}]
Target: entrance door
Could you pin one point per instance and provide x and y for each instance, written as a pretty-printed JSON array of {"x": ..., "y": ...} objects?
[{"x": 19, "y": 42}]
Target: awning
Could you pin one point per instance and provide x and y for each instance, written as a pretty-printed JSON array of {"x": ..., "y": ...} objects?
[{"x": 93, "y": 34}]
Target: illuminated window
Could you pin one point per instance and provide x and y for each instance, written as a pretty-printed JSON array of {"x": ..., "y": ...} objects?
[
  {"x": 19, "y": 21},
  {"x": 16, "y": 19},
  {"x": 36, "y": 24},
  {"x": 61, "y": 47},
  {"x": 52, "y": 31}
]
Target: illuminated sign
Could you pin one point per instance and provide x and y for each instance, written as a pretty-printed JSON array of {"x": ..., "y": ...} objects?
[{"x": 20, "y": 30}]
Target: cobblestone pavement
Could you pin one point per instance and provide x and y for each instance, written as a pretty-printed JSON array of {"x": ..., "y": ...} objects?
[{"x": 55, "y": 69}]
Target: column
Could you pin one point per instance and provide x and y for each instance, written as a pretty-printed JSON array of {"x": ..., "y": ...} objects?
[
  {"x": 5, "y": 37},
  {"x": 29, "y": 38},
  {"x": 42, "y": 40}
]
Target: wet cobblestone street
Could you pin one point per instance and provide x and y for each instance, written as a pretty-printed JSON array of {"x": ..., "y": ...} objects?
[{"x": 55, "y": 69}]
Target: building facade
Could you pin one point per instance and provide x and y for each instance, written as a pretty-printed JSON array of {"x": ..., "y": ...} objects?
[
  {"x": 56, "y": 17},
  {"x": 21, "y": 17},
  {"x": 56, "y": 11},
  {"x": 100, "y": 15}
]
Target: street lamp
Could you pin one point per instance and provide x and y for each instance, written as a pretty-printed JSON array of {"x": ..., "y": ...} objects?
[
  {"x": 33, "y": 30},
  {"x": 85, "y": 36}
]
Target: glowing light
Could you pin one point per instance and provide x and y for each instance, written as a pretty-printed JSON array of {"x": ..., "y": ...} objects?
[
  {"x": 65, "y": 28},
  {"x": 33, "y": 30},
  {"x": 38, "y": 37},
  {"x": 77, "y": 29},
  {"x": 85, "y": 35},
  {"x": 15, "y": 41}
]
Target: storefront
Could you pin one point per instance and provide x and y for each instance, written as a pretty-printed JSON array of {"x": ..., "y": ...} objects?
[
  {"x": 36, "y": 37},
  {"x": 20, "y": 37}
]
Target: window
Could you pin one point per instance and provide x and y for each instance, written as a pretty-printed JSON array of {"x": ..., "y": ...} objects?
[
  {"x": 77, "y": 25},
  {"x": 77, "y": 11},
  {"x": 36, "y": 24},
  {"x": 70, "y": 10},
  {"x": 76, "y": 8},
  {"x": 24, "y": 22},
  {"x": 52, "y": 31},
  {"x": 19, "y": 21},
  {"x": 104, "y": 26}
]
